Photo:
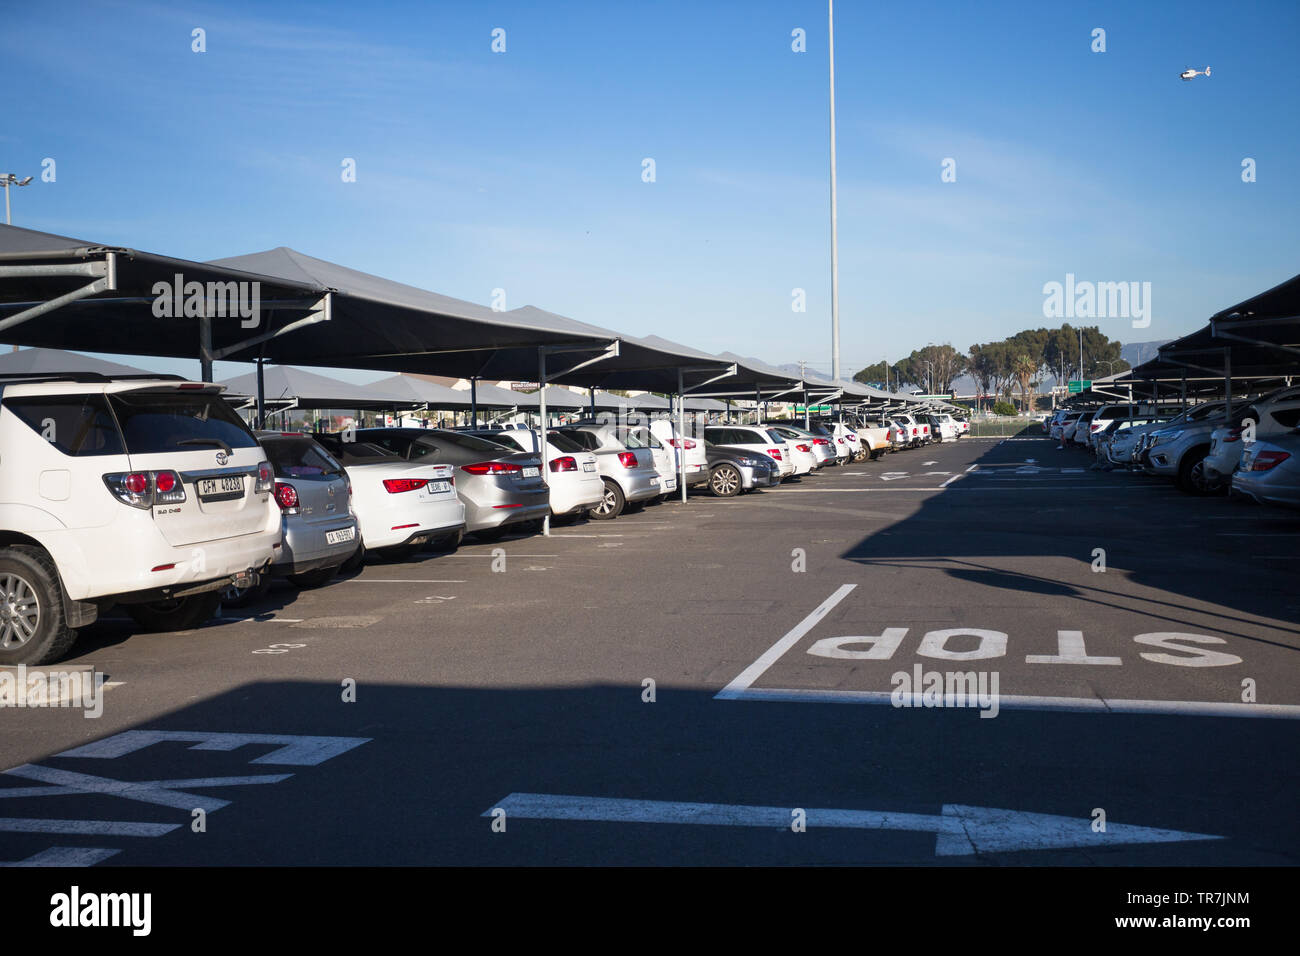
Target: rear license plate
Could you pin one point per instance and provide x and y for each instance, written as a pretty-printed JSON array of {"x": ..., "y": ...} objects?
[
  {"x": 221, "y": 489},
  {"x": 438, "y": 487},
  {"x": 338, "y": 537},
  {"x": 532, "y": 472},
  {"x": 588, "y": 466}
]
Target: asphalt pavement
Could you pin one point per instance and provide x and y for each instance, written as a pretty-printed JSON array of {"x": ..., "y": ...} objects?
[{"x": 973, "y": 653}]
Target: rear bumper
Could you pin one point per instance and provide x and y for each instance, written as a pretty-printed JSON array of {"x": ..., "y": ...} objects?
[
  {"x": 304, "y": 547},
  {"x": 1258, "y": 489},
  {"x": 638, "y": 486}
]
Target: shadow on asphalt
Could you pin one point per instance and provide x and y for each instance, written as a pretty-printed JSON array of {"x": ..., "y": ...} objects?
[
  {"x": 438, "y": 758},
  {"x": 1236, "y": 557}
]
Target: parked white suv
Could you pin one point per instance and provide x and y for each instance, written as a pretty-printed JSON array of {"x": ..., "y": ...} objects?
[{"x": 146, "y": 493}]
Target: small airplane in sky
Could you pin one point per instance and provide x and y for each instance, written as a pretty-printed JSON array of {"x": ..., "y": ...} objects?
[{"x": 1188, "y": 74}]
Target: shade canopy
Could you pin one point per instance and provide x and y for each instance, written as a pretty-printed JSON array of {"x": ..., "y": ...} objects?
[
  {"x": 42, "y": 361},
  {"x": 284, "y": 383}
]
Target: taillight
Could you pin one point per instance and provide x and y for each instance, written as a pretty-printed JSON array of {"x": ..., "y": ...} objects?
[
  {"x": 822, "y": 441},
  {"x": 775, "y": 453},
  {"x": 627, "y": 458},
  {"x": 566, "y": 463},
  {"x": 286, "y": 496},
  {"x": 395, "y": 486},
  {"x": 1094, "y": 427},
  {"x": 685, "y": 443},
  {"x": 803, "y": 448},
  {"x": 913, "y": 431},
  {"x": 144, "y": 489},
  {"x": 1234, "y": 434},
  {"x": 492, "y": 468},
  {"x": 1267, "y": 460},
  {"x": 265, "y": 478}
]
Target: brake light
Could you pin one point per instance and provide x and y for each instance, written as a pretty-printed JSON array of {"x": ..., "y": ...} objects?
[
  {"x": 822, "y": 441},
  {"x": 1234, "y": 434},
  {"x": 1095, "y": 426},
  {"x": 686, "y": 443},
  {"x": 144, "y": 489},
  {"x": 286, "y": 496},
  {"x": 1268, "y": 460},
  {"x": 775, "y": 453},
  {"x": 803, "y": 448},
  {"x": 265, "y": 478},
  {"x": 492, "y": 468},
  {"x": 913, "y": 431},
  {"x": 627, "y": 458},
  {"x": 567, "y": 463},
  {"x": 395, "y": 486}
]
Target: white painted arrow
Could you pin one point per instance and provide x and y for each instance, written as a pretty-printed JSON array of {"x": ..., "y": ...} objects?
[
  {"x": 960, "y": 830},
  {"x": 926, "y": 463}
]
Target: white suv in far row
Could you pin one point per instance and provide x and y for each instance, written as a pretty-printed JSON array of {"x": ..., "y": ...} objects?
[{"x": 146, "y": 493}]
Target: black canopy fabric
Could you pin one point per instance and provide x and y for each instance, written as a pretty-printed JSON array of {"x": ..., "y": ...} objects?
[
  {"x": 310, "y": 390},
  {"x": 363, "y": 322}
]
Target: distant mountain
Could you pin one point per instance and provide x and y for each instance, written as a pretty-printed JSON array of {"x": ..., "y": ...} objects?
[{"x": 1135, "y": 353}]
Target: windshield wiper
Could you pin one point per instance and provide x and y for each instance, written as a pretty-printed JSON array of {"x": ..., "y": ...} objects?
[{"x": 208, "y": 441}]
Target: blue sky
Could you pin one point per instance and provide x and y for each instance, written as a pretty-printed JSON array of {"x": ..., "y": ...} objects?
[{"x": 522, "y": 170}]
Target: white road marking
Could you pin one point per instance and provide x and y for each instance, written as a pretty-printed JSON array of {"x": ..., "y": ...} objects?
[
  {"x": 755, "y": 670},
  {"x": 296, "y": 750},
  {"x": 950, "y": 481},
  {"x": 973, "y": 467},
  {"x": 960, "y": 830},
  {"x": 67, "y": 856},
  {"x": 404, "y": 581},
  {"x": 259, "y": 620},
  {"x": 97, "y": 827},
  {"x": 1023, "y": 702},
  {"x": 925, "y": 464}
]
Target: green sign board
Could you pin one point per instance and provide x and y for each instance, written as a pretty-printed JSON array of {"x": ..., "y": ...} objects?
[
  {"x": 816, "y": 409},
  {"x": 1076, "y": 386}
]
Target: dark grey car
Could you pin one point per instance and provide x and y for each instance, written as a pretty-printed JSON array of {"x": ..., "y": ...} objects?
[
  {"x": 499, "y": 486},
  {"x": 318, "y": 529},
  {"x": 733, "y": 470}
]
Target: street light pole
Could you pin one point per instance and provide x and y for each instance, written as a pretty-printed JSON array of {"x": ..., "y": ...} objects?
[
  {"x": 835, "y": 252},
  {"x": 11, "y": 180}
]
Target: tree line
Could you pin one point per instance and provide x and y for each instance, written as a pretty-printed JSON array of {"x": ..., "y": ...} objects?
[{"x": 1020, "y": 362}]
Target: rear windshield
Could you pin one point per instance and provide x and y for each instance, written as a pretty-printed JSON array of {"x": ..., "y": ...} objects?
[
  {"x": 775, "y": 436},
  {"x": 299, "y": 458},
  {"x": 563, "y": 442},
  {"x": 504, "y": 438},
  {"x": 354, "y": 453},
  {"x": 169, "y": 421},
  {"x": 77, "y": 425},
  {"x": 468, "y": 442}
]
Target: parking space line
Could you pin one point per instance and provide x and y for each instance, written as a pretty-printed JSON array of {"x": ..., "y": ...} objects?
[
  {"x": 755, "y": 670},
  {"x": 405, "y": 581},
  {"x": 950, "y": 481},
  {"x": 1190, "y": 708}
]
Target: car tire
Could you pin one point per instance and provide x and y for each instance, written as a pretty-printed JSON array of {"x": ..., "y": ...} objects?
[
  {"x": 354, "y": 563},
  {"x": 178, "y": 614},
  {"x": 314, "y": 579},
  {"x": 725, "y": 481},
  {"x": 612, "y": 505},
  {"x": 447, "y": 544},
  {"x": 1192, "y": 479},
  {"x": 28, "y": 573},
  {"x": 239, "y": 597}
]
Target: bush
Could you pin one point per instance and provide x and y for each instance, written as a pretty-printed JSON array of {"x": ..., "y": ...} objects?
[{"x": 1003, "y": 408}]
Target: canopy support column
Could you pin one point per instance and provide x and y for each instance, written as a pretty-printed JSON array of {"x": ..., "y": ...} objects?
[
  {"x": 261, "y": 395},
  {"x": 473, "y": 401},
  {"x": 681, "y": 436}
]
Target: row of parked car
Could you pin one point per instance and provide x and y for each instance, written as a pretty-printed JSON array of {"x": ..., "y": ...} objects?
[
  {"x": 153, "y": 495},
  {"x": 1250, "y": 447}
]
